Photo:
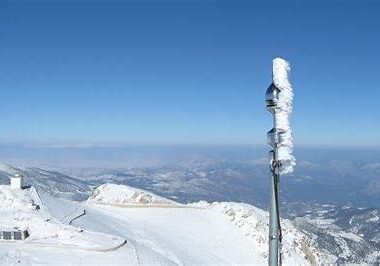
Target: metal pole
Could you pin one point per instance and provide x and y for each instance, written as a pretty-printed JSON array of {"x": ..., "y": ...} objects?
[
  {"x": 273, "y": 218},
  {"x": 279, "y": 97},
  {"x": 275, "y": 137}
]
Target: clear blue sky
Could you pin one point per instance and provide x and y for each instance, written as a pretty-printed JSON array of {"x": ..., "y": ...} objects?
[{"x": 186, "y": 73}]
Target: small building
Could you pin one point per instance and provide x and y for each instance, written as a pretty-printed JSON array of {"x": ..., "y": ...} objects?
[
  {"x": 14, "y": 234},
  {"x": 16, "y": 181}
]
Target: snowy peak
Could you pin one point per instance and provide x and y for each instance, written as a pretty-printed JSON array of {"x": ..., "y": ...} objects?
[{"x": 112, "y": 194}]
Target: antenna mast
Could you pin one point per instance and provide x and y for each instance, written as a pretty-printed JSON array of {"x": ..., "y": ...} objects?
[{"x": 279, "y": 97}]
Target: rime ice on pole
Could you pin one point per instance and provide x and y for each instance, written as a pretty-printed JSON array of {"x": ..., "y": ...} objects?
[{"x": 281, "y": 71}]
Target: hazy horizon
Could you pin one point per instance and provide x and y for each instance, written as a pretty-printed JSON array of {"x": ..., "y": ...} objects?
[{"x": 136, "y": 156}]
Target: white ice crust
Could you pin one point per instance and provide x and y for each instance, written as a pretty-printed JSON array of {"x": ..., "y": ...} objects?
[{"x": 281, "y": 71}]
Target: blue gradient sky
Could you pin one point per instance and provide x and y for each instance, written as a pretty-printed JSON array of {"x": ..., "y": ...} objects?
[{"x": 189, "y": 73}]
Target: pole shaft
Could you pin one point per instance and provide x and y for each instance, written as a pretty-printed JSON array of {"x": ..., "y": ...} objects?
[{"x": 273, "y": 213}]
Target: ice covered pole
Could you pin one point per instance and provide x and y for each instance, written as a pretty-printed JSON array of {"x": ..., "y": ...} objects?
[{"x": 279, "y": 101}]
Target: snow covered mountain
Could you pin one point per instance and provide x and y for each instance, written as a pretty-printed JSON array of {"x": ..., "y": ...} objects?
[
  {"x": 344, "y": 234},
  {"x": 201, "y": 233},
  {"x": 132, "y": 226}
]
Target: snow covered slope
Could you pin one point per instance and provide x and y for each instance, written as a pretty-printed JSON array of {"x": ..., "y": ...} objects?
[
  {"x": 122, "y": 225},
  {"x": 47, "y": 235},
  {"x": 198, "y": 233}
]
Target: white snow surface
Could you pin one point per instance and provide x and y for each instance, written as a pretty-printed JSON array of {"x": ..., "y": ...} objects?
[
  {"x": 48, "y": 236},
  {"x": 281, "y": 70},
  {"x": 141, "y": 229},
  {"x": 204, "y": 233},
  {"x": 119, "y": 194}
]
